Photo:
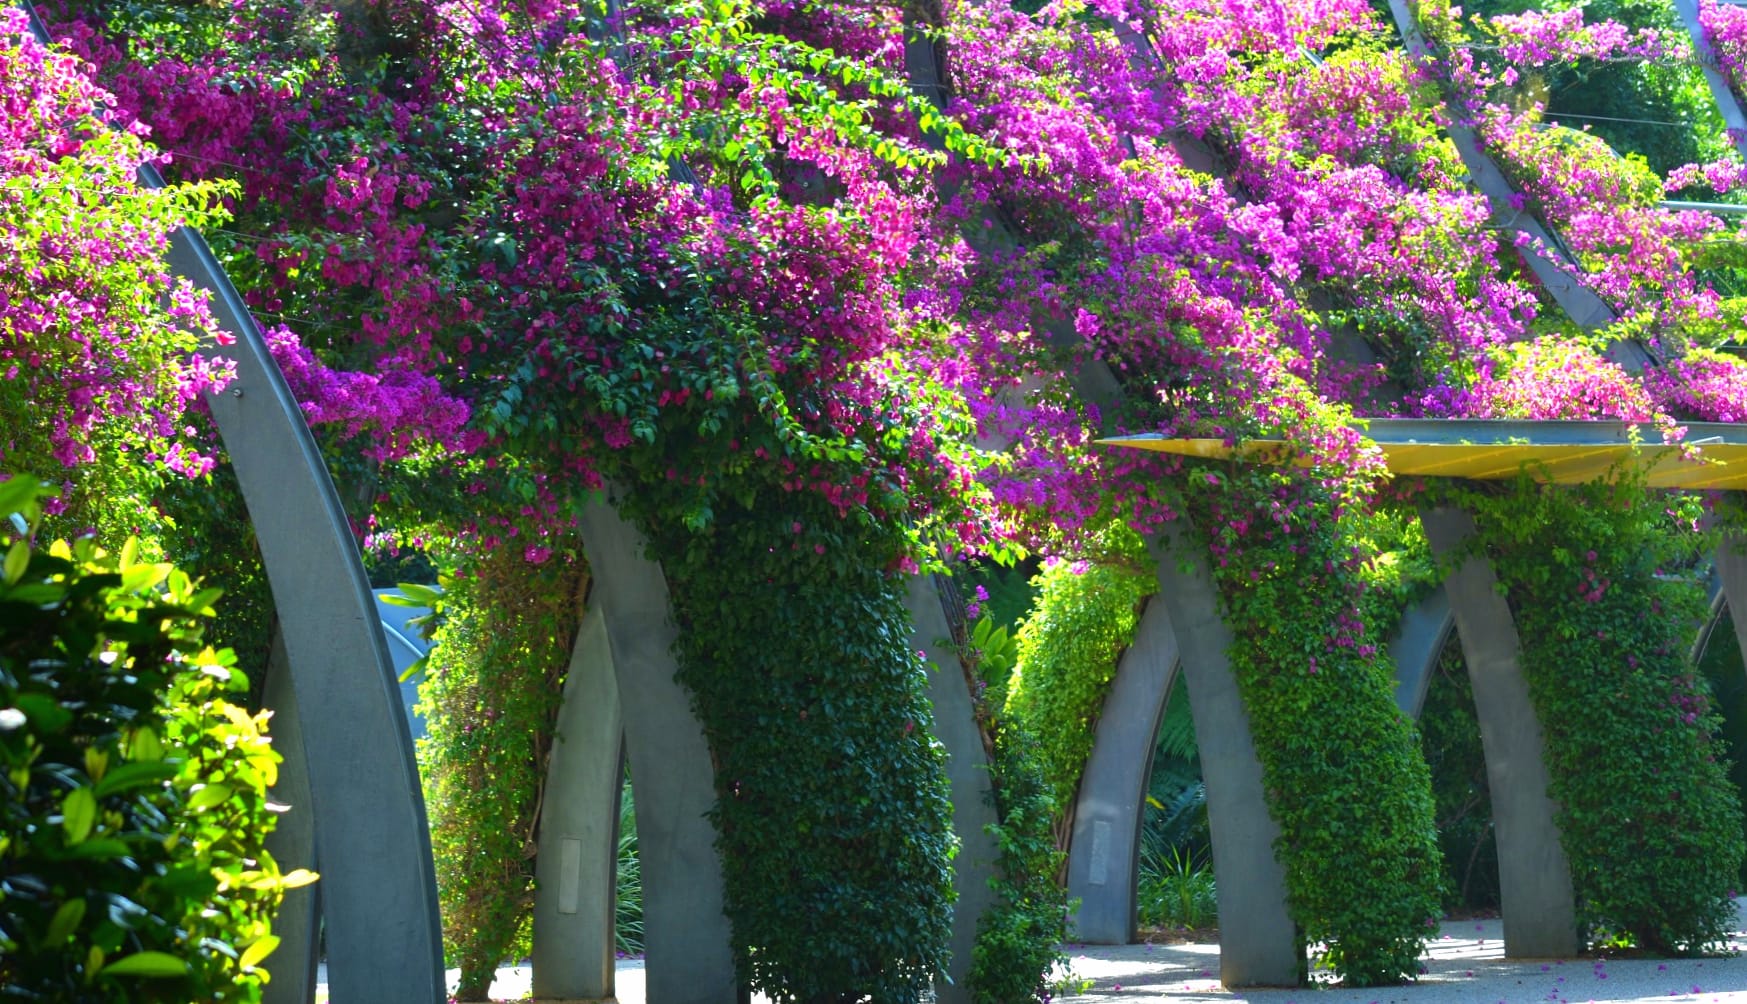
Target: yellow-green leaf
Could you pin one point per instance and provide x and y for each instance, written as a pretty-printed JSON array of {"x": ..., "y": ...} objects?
[
  {"x": 78, "y": 814},
  {"x": 16, "y": 560},
  {"x": 262, "y": 948},
  {"x": 209, "y": 796},
  {"x": 149, "y": 964}
]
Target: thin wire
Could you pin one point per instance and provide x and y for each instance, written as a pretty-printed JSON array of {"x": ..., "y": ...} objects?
[{"x": 1610, "y": 118}]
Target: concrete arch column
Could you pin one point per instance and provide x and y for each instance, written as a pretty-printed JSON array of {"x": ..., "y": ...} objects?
[
  {"x": 1415, "y": 646},
  {"x": 686, "y": 935},
  {"x": 1104, "y": 852},
  {"x": 1538, "y": 904},
  {"x": 1258, "y": 943},
  {"x": 1104, "y": 849},
  {"x": 575, "y": 869},
  {"x": 364, "y": 812}
]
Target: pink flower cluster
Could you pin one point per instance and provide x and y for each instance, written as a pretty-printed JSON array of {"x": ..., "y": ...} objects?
[{"x": 96, "y": 338}]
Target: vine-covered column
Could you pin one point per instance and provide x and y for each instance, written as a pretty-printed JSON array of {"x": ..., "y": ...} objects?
[{"x": 1540, "y": 914}]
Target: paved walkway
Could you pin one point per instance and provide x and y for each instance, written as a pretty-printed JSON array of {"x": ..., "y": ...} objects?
[{"x": 1465, "y": 965}]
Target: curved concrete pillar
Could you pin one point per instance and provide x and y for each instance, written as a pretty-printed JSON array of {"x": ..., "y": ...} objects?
[
  {"x": 1258, "y": 943},
  {"x": 575, "y": 870},
  {"x": 379, "y": 888},
  {"x": 1104, "y": 850},
  {"x": 967, "y": 771},
  {"x": 292, "y": 844},
  {"x": 1415, "y": 647},
  {"x": 1534, "y": 876},
  {"x": 1732, "y": 571},
  {"x": 686, "y": 935}
]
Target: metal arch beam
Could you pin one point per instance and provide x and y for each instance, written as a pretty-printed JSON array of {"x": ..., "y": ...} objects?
[
  {"x": 1104, "y": 849},
  {"x": 1558, "y": 274},
  {"x": 379, "y": 889},
  {"x": 1538, "y": 903},
  {"x": 686, "y": 935},
  {"x": 1734, "y": 121}
]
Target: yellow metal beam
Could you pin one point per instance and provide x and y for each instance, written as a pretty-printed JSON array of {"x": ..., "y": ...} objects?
[{"x": 1716, "y": 465}]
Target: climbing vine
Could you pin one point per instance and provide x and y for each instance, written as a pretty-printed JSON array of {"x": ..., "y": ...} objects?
[
  {"x": 492, "y": 687},
  {"x": 831, "y": 812},
  {"x": 1068, "y": 646}
]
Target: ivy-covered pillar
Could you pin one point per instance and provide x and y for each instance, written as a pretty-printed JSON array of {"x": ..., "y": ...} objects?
[
  {"x": 1258, "y": 943},
  {"x": 575, "y": 868},
  {"x": 1416, "y": 645},
  {"x": 967, "y": 772},
  {"x": 1537, "y": 901},
  {"x": 1104, "y": 851},
  {"x": 686, "y": 935}
]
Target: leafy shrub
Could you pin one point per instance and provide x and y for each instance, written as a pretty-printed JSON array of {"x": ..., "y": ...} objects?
[
  {"x": 628, "y": 884},
  {"x": 133, "y": 803},
  {"x": 1176, "y": 886}
]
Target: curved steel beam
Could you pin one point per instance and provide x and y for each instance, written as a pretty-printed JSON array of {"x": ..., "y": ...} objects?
[
  {"x": 686, "y": 934},
  {"x": 379, "y": 889},
  {"x": 1534, "y": 875},
  {"x": 1727, "y": 104},
  {"x": 1104, "y": 849},
  {"x": 1559, "y": 273}
]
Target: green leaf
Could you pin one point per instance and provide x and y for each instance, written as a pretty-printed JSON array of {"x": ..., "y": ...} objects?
[
  {"x": 135, "y": 775},
  {"x": 157, "y": 965},
  {"x": 64, "y": 923},
  {"x": 209, "y": 796},
  {"x": 78, "y": 814},
  {"x": 422, "y": 596}
]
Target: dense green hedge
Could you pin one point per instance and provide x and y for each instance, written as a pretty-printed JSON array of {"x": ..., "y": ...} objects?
[
  {"x": 832, "y": 814},
  {"x": 1083, "y": 618},
  {"x": 1342, "y": 767},
  {"x": 1647, "y": 816},
  {"x": 133, "y": 793}
]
